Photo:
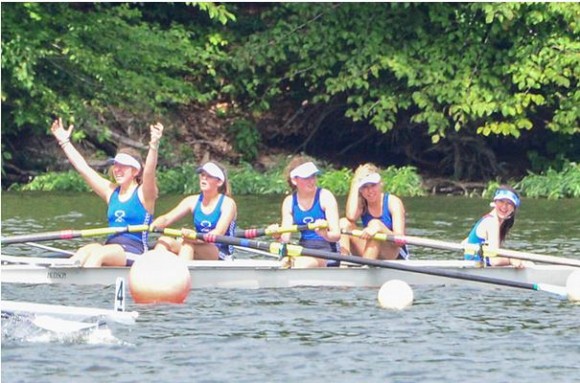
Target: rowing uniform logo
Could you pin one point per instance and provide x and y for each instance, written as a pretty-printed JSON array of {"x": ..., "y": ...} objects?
[
  {"x": 307, "y": 220},
  {"x": 206, "y": 226},
  {"x": 120, "y": 215}
]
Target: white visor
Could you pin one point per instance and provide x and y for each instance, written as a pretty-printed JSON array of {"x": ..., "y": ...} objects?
[
  {"x": 305, "y": 170},
  {"x": 373, "y": 178},
  {"x": 126, "y": 159},
  {"x": 213, "y": 170}
]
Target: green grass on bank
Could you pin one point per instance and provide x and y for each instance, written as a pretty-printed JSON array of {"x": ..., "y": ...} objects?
[{"x": 404, "y": 181}]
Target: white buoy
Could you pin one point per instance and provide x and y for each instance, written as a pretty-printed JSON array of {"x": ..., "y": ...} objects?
[
  {"x": 573, "y": 286},
  {"x": 395, "y": 294},
  {"x": 159, "y": 276}
]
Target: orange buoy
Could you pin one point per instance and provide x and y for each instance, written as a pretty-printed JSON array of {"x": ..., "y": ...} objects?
[{"x": 159, "y": 276}]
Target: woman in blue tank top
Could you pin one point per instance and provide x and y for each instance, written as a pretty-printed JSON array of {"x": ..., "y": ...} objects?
[
  {"x": 379, "y": 212},
  {"x": 212, "y": 211},
  {"x": 309, "y": 204},
  {"x": 493, "y": 228},
  {"x": 131, "y": 198}
]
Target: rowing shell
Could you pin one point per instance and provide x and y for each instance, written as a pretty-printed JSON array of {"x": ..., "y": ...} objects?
[{"x": 249, "y": 273}]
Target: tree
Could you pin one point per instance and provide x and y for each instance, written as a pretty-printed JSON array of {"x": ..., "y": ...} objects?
[
  {"x": 456, "y": 72},
  {"x": 93, "y": 62}
]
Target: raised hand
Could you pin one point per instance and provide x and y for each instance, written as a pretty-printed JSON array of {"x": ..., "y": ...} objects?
[
  {"x": 58, "y": 131},
  {"x": 156, "y": 133}
]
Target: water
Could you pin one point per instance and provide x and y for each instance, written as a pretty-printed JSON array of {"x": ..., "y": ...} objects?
[{"x": 450, "y": 334}]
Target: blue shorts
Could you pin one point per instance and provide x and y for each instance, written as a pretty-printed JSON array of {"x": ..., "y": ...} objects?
[
  {"x": 403, "y": 252},
  {"x": 316, "y": 244},
  {"x": 477, "y": 258},
  {"x": 131, "y": 246}
]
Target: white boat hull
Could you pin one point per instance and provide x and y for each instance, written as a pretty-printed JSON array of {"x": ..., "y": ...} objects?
[{"x": 254, "y": 274}]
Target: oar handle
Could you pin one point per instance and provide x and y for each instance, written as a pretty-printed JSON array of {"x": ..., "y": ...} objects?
[
  {"x": 70, "y": 234},
  {"x": 253, "y": 233}
]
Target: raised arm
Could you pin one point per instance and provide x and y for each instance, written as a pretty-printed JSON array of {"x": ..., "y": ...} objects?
[
  {"x": 149, "y": 186},
  {"x": 354, "y": 206},
  {"x": 99, "y": 184}
]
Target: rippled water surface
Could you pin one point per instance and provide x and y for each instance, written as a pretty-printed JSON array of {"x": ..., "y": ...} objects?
[{"x": 450, "y": 334}]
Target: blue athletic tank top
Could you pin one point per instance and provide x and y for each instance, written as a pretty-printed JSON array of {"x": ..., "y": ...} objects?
[
  {"x": 130, "y": 212},
  {"x": 204, "y": 223},
  {"x": 474, "y": 239},
  {"x": 303, "y": 217},
  {"x": 385, "y": 218}
]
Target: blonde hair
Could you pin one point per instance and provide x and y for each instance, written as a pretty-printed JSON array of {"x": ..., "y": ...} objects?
[
  {"x": 136, "y": 155},
  {"x": 293, "y": 164},
  {"x": 360, "y": 172}
]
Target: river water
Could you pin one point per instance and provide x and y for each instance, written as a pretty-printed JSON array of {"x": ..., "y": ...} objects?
[{"x": 450, "y": 334}]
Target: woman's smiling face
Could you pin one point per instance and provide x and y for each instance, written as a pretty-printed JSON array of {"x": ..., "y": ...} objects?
[{"x": 504, "y": 208}]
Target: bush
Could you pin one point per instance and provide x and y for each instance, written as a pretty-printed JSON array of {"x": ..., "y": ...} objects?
[
  {"x": 245, "y": 180},
  {"x": 63, "y": 181},
  {"x": 552, "y": 184}
]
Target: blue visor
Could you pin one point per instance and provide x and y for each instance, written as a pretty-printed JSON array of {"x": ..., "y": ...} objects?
[{"x": 507, "y": 194}]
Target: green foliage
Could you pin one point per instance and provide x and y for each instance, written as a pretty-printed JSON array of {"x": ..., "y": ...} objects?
[
  {"x": 246, "y": 139},
  {"x": 84, "y": 60},
  {"x": 494, "y": 68},
  {"x": 244, "y": 180},
  {"x": 178, "y": 180},
  {"x": 491, "y": 188},
  {"x": 403, "y": 181},
  {"x": 552, "y": 184},
  {"x": 215, "y": 11},
  {"x": 556, "y": 152},
  {"x": 337, "y": 181},
  {"x": 440, "y": 68},
  {"x": 65, "y": 181}
]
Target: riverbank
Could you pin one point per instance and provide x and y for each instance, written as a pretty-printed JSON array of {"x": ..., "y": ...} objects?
[{"x": 269, "y": 180}]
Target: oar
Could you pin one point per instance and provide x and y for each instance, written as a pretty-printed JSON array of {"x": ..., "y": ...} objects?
[
  {"x": 253, "y": 233},
  {"x": 69, "y": 234},
  {"x": 470, "y": 249},
  {"x": 59, "y": 253},
  {"x": 295, "y": 250}
]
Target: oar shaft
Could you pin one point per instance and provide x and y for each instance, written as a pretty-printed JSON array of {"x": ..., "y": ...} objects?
[
  {"x": 490, "y": 252},
  {"x": 487, "y": 251},
  {"x": 253, "y": 233},
  {"x": 70, "y": 234},
  {"x": 67, "y": 253},
  {"x": 295, "y": 250}
]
